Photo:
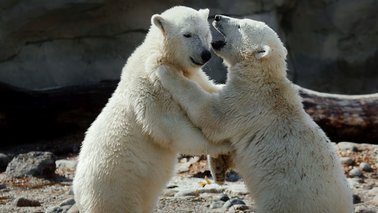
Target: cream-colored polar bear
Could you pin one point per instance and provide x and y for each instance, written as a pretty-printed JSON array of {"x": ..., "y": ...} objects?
[
  {"x": 130, "y": 150},
  {"x": 286, "y": 160}
]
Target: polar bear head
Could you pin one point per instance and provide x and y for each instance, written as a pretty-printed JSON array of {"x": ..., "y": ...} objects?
[
  {"x": 246, "y": 40},
  {"x": 186, "y": 34}
]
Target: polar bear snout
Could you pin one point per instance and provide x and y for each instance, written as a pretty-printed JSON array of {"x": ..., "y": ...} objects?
[
  {"x": 205, "y": 56},
  {"x": 221, "y": 18},
  {"x": 202, "y": 59}
]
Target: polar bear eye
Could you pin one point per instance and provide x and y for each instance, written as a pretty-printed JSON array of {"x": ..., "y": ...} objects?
[
  {"x": 239, "y": 26},
  {"x": 187, "y": 35}
]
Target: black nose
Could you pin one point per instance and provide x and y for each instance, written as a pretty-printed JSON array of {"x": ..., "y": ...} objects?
[
  {"x": 205, "y": 55},
  {"x": 217, "y": 17}
]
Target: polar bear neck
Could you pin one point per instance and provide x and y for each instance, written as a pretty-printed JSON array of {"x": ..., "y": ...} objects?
[{"x": 257, "y": 80}]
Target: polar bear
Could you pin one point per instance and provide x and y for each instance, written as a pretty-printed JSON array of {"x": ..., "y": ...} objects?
[
  {"x": 286, "y": 160},
  {"x": 129, "y": 151}
]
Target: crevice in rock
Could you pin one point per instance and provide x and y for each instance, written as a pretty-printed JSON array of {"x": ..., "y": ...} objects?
[{"x": 36, "y": 42}]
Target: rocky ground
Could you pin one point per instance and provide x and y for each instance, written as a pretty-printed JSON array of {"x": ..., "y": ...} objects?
[{"x": 47, "y": 185}]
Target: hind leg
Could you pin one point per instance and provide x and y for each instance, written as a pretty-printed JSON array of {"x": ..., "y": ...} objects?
[{"x": 219, "y": 166}]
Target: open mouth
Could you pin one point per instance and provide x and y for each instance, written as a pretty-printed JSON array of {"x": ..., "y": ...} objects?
[
  {"x": 195, "y": 62},
  {"x": 218, "y": 44}
]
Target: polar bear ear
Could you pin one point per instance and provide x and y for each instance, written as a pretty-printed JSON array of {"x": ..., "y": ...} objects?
[
  {"x": 160, "y": 22},
  {"x": 204, "y": 13},
  {"x": 262, "y": 51}
]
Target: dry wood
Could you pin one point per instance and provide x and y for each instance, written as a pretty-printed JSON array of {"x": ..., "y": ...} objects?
[{"x": 344, "y": 117}]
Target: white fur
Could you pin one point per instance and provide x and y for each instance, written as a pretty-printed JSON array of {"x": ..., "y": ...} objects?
[
  {"x": 130, "y": 150},
  {"x": 286, "y": 160}
]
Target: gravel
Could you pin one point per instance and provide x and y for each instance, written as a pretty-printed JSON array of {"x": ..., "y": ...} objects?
[{"x": 183, "y": 193}]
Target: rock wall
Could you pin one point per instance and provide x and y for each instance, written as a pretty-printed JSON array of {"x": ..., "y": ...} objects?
[
  {"x": 52, "y": 44},
  {"x": 61, "y": 60}
]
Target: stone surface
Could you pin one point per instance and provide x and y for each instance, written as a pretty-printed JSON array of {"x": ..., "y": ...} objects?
[
  {"x": 50, "y": 43},
  {"x": 356, "y": 199},
  {"x": 67, "y": 164},
  {"x": 365, "y": 167},
  {"x": 4, "y": 160},
  {"x": 216, "y": 204},
  {"x": 330, "y": 44},
  {"x": 232, "y": 176},
  {"x": 184, "y": 167},
  {"x": 347, "y": 146},
  {"x": 355, "y": 172},
  {"x": 3, "y": 186},
  {"x": 58, "y": 209},
  {"x": 24, "y": 202},
  {"x": 223, "y": 197},
  {"x": 347, "y": 161},
  {"x": 31, "y": 164},
  {"x": 66, "y": 206},
  {"x": 232, "y": 202}
]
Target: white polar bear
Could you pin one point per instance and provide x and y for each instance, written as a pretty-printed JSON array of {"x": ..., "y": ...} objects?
[
  {"x": 130, "y": 150},
  {"x": 286, "y": 160}
]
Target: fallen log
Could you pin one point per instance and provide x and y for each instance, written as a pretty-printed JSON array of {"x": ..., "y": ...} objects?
[{"x": 344, "y": 117}]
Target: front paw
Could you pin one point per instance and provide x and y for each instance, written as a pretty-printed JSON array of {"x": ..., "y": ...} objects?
[{"x": 167, "y": 73}]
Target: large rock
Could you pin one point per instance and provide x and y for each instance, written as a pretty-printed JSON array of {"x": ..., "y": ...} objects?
[
  {"x": 333, "y": 45},
  {"x": 39, "y": 164},
  {"x": 50, "y": 43}
]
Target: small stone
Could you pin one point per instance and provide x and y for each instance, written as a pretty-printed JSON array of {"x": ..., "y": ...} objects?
[
  {"x": 4, "y": 160},
  {"x": 345, "y": 146},
  {"x": 356, "y": 199},
  {"x": 233, "y": 201},
  {"x": 355, "y": 172},
  {"x": 169, "y": 193},
  {"x": 223, "y": 197},
  {"x": 374, "y": 191},
  {"x": 240, "y": 207},
  {"x": 58, "y": 209},
  {"x": 2, "y": 186},
  {"x": 365, "y": 167},
  {"x": 67, "y": 202},
  {"x": 232, "y": 176},
  {"x": 24, "y": 202},
  {"x": 71, "y": 192},
  {"x": 227, "y": 204},
  {"x": 185, "y": 193},
  {"x": 347, "y": 161},
  {"x": 361, "y": 209},
  {"x": 216, "y": 204},
  {"x": 355, "y": 182},
  {"x": 183, "y": 167},
  {"x": 68, "y": 164},
  {"x": 236, "y": 189},
  {"x": 367, "y": 187}
]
